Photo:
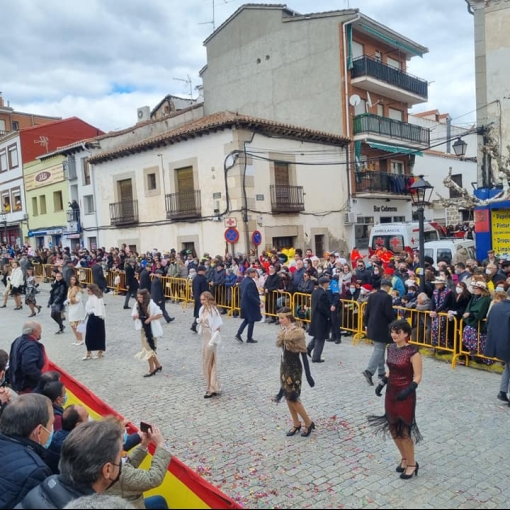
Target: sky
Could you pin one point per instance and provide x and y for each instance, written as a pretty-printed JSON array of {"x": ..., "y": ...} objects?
[{"x": 100, "y": 60}]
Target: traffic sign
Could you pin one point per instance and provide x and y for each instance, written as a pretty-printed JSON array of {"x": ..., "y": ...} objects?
[
  {"x": 232, "y": 235},
  {"x": 230, "y": 222},
  {"x": 256, "y": 238}
]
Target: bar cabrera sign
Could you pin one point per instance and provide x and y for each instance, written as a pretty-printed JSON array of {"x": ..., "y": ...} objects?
[{"x": 45, "y": 177}]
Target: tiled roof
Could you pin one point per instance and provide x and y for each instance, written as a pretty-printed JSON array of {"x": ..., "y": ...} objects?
[{"x": 223, "y": 120}]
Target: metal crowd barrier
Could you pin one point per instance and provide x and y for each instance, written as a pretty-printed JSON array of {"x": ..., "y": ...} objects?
[
  {"x": 478, "y": 351},
  {"x": 302, "y": 306},
  {"x": 351, "y": 318}
]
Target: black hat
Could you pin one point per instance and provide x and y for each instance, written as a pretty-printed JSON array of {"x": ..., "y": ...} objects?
[
  {"x": 159, "y": 271},
  {"x": 323, "y": 279},
  {"x": 201, "y": 268},
  {"x": 385, "y": 283}
]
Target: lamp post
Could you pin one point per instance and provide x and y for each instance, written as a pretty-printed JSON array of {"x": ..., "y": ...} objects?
[
  {"x": 421, "y": 191},
  {"x": 459, "y": 147}
]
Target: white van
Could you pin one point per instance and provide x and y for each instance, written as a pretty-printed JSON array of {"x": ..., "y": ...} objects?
[
  {"x": 446, "y": 249},
  {"x": 398, "y": 237}
]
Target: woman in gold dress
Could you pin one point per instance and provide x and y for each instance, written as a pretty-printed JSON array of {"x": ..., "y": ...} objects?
[
  {"x": 291, "y": 340},
  {"x": 209, "y": 321}
]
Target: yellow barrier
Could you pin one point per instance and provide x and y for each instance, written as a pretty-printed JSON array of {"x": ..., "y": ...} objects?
[
  {"x": 302, "y": 306},
  {"x": 351, "y": 318},
  {"x": 478, "y": 351},
  {"x": 177, "y": 289},
  {"x": 111, "y": 279},
  {"x": 223, "y": 297}
]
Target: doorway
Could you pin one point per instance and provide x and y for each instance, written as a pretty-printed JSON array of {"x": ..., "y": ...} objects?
[
  {"x": 185, "y": 190},
  {"x": 125, "y": 188},
  {"x": 319, "y": 245}
]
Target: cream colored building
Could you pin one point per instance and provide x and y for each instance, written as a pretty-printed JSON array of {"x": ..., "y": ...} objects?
[{"x": 182, "y": 189}]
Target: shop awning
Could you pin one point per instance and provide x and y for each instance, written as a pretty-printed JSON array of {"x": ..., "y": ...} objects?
[{"x": 394, "y": 148}]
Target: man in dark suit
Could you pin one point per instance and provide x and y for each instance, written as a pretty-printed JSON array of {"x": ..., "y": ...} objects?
[
  {"x": 145, "y": 279},
  {"x": 250, "y": 305},
  {"x": 321, "y": 318},
  {"x": 198, "y": 285},
  {"x": 158, "y": 294},
  {"x": 98, "y": 275},
  {"x": 378, "y": 316},
  {"x": 131, "y": 282}
]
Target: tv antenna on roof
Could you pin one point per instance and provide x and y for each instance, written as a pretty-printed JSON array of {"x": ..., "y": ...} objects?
[
  {"x": 190, "y": 84},
  {"x": 211, "y": 22}
]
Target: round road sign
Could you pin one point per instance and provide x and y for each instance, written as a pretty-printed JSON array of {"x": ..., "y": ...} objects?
[
  {"x": 232, "y": 235},
  {"x": 256, "y": 238}
]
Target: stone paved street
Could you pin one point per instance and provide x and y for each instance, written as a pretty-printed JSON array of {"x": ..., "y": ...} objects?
[{"x": 238, "y": 441}]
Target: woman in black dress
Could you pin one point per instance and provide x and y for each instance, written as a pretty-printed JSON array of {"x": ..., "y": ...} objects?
[
  {"x": 95, "y": 333},
  {"x": 291, "y": 340},
  {"x": 403, "y": 376}
]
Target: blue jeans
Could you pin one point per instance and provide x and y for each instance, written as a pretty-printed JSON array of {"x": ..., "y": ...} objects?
[{"x": 155, "y": 502}]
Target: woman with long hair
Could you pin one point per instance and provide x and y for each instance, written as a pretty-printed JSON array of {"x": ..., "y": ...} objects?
[
  {"x": 95, "y": 332},
  {"x": 75, "y": 308},
  {"x": 58, "y": 295},
  {"x": 291, "y": 340},
  {"x": 146, "y": 314},
  {"x": 402, "y": 377},
  {"x": 209, "y": 321},
  {"x": 17, "y": 282}
]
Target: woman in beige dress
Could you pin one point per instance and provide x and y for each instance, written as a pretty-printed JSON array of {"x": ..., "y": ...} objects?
[
  {"x": 75, "y": 308},
  {"x": 209, "y": 321}
]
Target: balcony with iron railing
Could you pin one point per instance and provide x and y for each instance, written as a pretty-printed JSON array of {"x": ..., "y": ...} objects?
[
  {"x": 287, "y": 199},
  {"x": 380, "y": 78},
  {"x": 124, "y": 213},
  {"x": 183, "y": 205},
  {"x": 390, "y": 130},
  {"x": 370, "y": 183}
]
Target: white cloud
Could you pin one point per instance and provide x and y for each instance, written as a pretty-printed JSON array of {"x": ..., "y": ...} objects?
[{"x": 75, "y": 57}]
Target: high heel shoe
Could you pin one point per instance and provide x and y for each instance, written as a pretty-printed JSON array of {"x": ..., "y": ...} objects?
[
  {"x": 293, "y": 431},
  {"x": 158, "y": 369},
  {"x": 150, "y": 374},
  {"x": 404, "y": 476},
  {"x": 400, "y": 468},
  {"x": 38, "y": 308},
  {"x": 308, "y": 430},
  {"x": 210, "y": 395}
]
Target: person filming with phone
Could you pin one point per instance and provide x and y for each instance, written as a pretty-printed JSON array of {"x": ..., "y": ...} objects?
[{"x": 133, "y": 482}]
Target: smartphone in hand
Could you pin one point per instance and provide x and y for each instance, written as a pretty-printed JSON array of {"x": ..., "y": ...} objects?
[{"x": 145, "y": 427}]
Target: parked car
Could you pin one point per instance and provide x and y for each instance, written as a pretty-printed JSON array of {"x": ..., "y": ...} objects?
[{"x": 450, "y": 250}]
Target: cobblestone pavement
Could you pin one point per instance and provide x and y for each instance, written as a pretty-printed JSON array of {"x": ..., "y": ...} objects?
[{"x": 238, "y": 442}]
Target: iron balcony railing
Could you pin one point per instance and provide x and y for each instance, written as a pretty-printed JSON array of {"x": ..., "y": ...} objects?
[
  {"x": 381, "y": 182},
  {"x": 390, "y": 128},
  {"x": 367, "y": 66},
  {"x": 183, "y": 205},
  {"x": 124, "y": 213},
  {"x": 287, "y": 199}
]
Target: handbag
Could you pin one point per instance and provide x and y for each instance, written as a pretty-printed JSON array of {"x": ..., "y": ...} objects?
[
  {"x": 215, "y": 339},
  {"x": 82, "y": 326}
]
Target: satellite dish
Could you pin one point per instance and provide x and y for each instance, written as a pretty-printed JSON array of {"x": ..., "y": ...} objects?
[{"x": 354, "y": 100}]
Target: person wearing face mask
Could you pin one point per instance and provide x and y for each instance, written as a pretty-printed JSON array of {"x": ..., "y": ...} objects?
[
  {"x": 27, "y": 429},
  {"x": 493, "y": 277},
  {"x": 376, "y": 278},
  {"x": 56, "y": 392},
  {"x": 475, "y": 327},
  {"x": 90, "y": 462}
]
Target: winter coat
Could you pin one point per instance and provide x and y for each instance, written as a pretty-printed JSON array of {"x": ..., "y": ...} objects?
[
  {"x": 498, "y": 332},
  {"x": 198, "y": 285},
  {"x": 134, "y": 482},
  {"x": 131, "y": 281},
  {"x": 477, "y": 309},
  {"x": 250, "y": 300},
  {"x": 145, "y": 280},
  {"x": 21, "y": 469},
  {"x": 321, "y": 316},
  {"x": 58, "y": 293},
  {"x": 378, "y": 316},
  {"x": 98, "y": 276},
  {"x": 26, "y": 361}
]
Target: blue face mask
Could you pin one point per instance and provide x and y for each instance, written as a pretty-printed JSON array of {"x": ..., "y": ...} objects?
[
  {"x": 48, "y": 442},
  {"x": 66, "y": 398},
  {"x": 411, "y": 293},
  {"x": 126, "y": 435},
  {"x": 352, "y": 290}
]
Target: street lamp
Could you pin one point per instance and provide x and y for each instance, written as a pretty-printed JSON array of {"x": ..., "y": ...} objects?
[
  {"x": 421, "y": 191},
  {"x": 459, "y": 147}
]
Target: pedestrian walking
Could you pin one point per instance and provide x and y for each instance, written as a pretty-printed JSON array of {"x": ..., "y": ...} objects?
[
  {"x": 58, "y": 294},
  {"x": 146, "y": 314},
  {"x": 378, "y": 316},
  {"x": 95, "y": 332},
  {"x": 75, "y": 308},
  {"x": 209, "y": 324},
  {"x": 291, "y": 340},
  {"x": 403, "y": 376},
  {"x": 321, "y": 320},
  {"x": 131, "y": 282},
  {"x": 17, "y": 283},
  {"x": 250, "y": 305},
  {"x": 31, "y": 291},
  {"x": 198, "y": 286},
  {"x": 158, "y": 294},
  {"x": 98, "y": 275}
]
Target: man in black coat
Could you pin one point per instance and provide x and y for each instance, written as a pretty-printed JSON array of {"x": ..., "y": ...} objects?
[
  {"x": 98, "y": 275},
  {"x": 26, "y": 425},
  {"x": 250, "y": 305},
  {"x": 498, "y": 342},
  {"x": 379, "y": 315},
  {"x": 131, "y": 282},
  {"x": 198, "y": 285},
  {"x": 158, "y": 294},
  {"x": 26, "y": 359},
  {"x": 321, "y": 319},
  {"x": 145, "y": 279}
]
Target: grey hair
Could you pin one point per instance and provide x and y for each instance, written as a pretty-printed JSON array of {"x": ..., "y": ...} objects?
[
  {"x": 29, "y": 327},
  {"x": 24, "y": 414},
  {"x": 88, "y": 448},
  {"x": 99, "y": 501}
]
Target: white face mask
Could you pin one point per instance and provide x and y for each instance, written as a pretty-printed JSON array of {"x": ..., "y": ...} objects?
[
  {"x": 488, "y": 271},
  {"x": 500, "y": 289},
  {"x": 459, "y": 290}
]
